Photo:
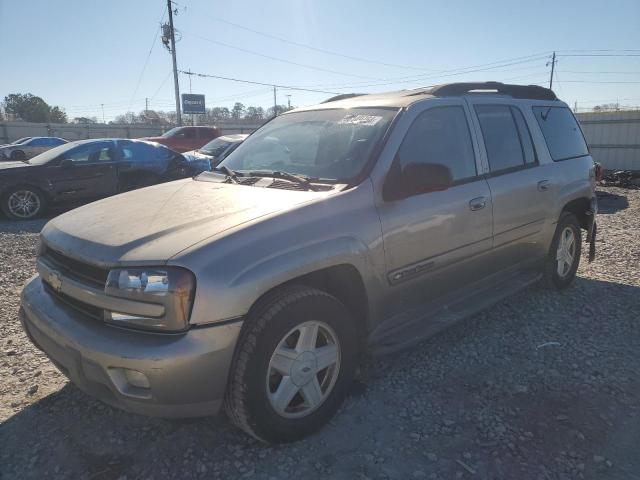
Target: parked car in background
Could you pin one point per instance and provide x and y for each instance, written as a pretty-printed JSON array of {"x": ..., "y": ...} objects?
[
  {"x": 183, "y": 139},
  {"x": 216, "y": 150},
  {"x": 334, "y": 232},
  {"x": 86, "y": 170},
  {"x": 29, "y": 147},
  {"x": 16, "y": 142}
]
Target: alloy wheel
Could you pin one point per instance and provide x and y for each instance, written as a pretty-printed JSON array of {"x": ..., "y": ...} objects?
[
  {"x": 565, "y": 255},
  {"x": 303, "y": 369},
  {"x": 23, "y": 203}
]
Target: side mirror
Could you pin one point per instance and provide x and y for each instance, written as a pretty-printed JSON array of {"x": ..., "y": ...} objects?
[
  {"x": 415, "y": 179},
  {"x": 66, "y": 163}
]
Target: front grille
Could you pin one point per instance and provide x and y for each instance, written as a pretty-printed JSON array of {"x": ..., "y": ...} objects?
[
  {"x": 84, "y": 308},
  {"x": 76, "y": 269}
]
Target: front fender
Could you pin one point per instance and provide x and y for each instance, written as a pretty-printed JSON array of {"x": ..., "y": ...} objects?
[{"x": 245, "y": 286}]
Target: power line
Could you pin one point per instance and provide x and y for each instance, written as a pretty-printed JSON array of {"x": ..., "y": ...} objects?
[
  {"x": 600, "y": 72},
  {"x": 316, "y": 49},
  {"x": 146, "y": 62},
  {"x": 288, "y": 87},
  {"x": 599, "y": 55},
  {"x": 601, "y": 50},
  {"x": 596, "y": 81},
  {"x": 161, "y": 85},
  {"x": 278, "y": 59},
  {"x": 455, "y": 72}
]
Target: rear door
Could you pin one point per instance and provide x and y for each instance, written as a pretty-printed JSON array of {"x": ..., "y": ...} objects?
[
  {"x": 85, "y": 172},
  {"x": 434, "y": 242},
  {"x": 522, "y": 190},
  {"x": 142, "y": 164}
]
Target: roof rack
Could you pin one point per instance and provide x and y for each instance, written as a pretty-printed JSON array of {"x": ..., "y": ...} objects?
[
  {"x": 534, "y": 92},
  {"x": 343, "y": 96}
]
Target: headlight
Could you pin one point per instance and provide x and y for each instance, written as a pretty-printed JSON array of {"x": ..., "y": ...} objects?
[{"x": 171, "y": 287}]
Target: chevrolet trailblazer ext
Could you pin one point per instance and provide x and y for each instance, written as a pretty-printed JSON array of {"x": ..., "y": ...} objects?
[{"x": 362, "y": 224}]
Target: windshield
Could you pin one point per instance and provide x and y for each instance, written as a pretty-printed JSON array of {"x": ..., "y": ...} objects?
[
  {"x": 323, "y": 144},
  {"x": 215, "y": 147},
  {"x": 49, "y": 155},
  {"x": 21, "y": 140},
  {"x": 171, "y": 133}
]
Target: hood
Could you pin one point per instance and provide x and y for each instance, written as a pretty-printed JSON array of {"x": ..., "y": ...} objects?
[
  {"x": 154, "y": 139},
  {"x": 151, "y": 225}
]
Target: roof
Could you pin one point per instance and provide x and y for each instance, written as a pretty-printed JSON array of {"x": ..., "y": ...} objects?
[{"x": 404, "y": 98}]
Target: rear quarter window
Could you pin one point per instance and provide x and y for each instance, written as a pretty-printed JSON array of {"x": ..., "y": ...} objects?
[{"x": 561, "y": 132}]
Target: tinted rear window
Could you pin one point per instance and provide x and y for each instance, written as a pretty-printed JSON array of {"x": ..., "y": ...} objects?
[{"x": 561, "y": 132}]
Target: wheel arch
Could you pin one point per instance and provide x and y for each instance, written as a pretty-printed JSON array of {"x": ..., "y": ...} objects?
[
  {"x": 579, "y": 207},
  {"x": 344, "y": 282}
]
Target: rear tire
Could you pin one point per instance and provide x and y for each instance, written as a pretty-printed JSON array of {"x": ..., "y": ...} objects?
[
  {"x": 564, "y": 254},
  {"x": 23, "y": 202},
  {"x": 18, "y": 155},
  {"x": 277, "y": 407}
]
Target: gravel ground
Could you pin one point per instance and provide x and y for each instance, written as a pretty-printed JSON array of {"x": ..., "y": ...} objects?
[{"x": 543, "y": 385}]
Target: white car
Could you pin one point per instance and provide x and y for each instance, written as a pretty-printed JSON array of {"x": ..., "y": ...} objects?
[
  {"x": 29, "y": 147},
  {"x": 217, "y": 149}
]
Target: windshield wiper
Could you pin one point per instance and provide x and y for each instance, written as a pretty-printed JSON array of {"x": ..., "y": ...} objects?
[
  {"x": 231, "y": 174},
  {"x": 299, "y": 179}
]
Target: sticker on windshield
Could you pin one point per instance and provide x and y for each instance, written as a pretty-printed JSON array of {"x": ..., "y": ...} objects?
[{"x": 359, "y": 119}]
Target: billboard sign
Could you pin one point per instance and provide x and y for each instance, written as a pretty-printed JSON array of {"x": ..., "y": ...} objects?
[{"x": 192, "y": 104}]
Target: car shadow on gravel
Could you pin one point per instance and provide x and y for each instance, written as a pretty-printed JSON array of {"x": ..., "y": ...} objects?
[
  {"x": 493, "y": 365},
  {"x": 610, "y": 203}
]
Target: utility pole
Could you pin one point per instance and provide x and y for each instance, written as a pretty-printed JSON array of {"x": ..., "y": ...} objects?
[
  {"x": 146, "y": 104},
  {"x": 553, "y": 64},
  {"x": 275, "y": 103},
  {"x": 175, "y": 64},
  {"x": 102, "y": 105},
  {"x": 289, "y": 101}
]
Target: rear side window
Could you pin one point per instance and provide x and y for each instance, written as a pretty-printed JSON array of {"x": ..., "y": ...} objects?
[
  {"x": 561, "y": 132},
  {"x": 144, "y": 155},
  {"x": 525, "y": 137},
  {"x": 440, "y": 135},
  {"x": 501, "y": 137}
]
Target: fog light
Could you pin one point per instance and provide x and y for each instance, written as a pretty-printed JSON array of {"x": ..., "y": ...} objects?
[{"x": 136, "y": 378}]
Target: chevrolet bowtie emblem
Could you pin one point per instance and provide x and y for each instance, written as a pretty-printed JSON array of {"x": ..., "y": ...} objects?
[{"x": 54, "y": 280}]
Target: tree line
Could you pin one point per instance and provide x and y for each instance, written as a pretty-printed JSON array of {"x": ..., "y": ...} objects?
[
  {"x": 239, "y": 113},
  {"x": 31, "y": 108}
]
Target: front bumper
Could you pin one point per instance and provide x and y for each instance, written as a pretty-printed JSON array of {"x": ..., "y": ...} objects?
[{"x": 187, "y": 372}]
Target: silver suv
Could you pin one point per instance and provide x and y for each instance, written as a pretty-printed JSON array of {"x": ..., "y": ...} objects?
[{"x": 354, "y": 227}]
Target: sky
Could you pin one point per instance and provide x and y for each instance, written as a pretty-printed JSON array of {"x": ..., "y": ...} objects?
[{"x": 80, "y": 54}]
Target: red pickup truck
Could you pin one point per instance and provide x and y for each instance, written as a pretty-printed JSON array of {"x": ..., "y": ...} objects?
[{"x": 183, "y": 139}]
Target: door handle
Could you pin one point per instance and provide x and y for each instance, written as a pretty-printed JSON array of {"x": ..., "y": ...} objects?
[
  {"x": 543, "y": 185},
  {"x": 477, "y": 203}
]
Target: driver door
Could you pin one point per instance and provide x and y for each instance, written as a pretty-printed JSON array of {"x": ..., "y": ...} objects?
[
  {"x": 436, "y": 242},
  {"x": 85, "y": 172}
]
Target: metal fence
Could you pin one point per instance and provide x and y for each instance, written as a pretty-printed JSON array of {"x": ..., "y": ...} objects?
[
  {"x": 613, "y": 138},
  {"x": 10, "y": 131}
]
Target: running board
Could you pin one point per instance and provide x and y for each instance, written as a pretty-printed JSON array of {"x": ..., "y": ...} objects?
[{"x": 408, "y": 329}]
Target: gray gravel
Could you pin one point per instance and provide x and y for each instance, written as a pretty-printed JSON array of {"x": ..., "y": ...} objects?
[{"x": 543, "y": 385}]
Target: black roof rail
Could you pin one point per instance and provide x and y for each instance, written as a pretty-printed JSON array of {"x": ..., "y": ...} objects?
[
  {"x": 534, "y": 92},
  {"x": 343, "y": 96}
]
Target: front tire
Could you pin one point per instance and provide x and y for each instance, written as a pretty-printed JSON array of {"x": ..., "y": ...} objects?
[
  {"x": 294, "y": 365},
  {"x": 23, "y": 203},
  {"x": 564, "y": 254}
]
